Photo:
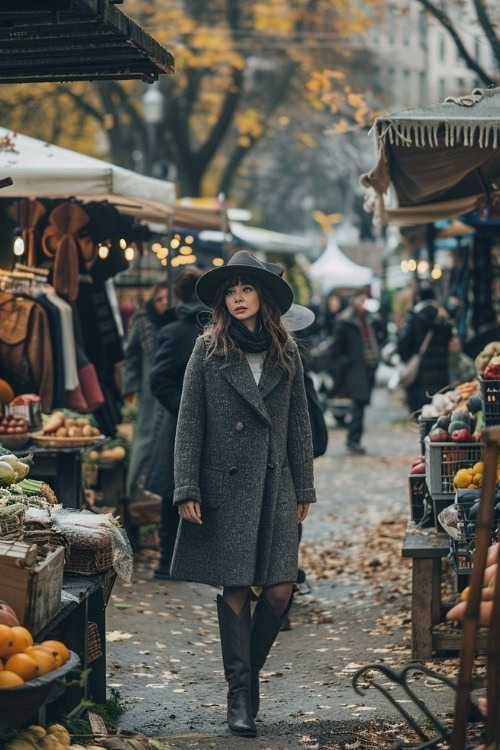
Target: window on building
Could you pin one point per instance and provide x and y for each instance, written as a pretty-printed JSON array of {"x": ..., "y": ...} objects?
[
  {"x": 391, "y": 85},
  {"x": 406, "y": 87},
  {"x": 422, "y": 87},
  {"x": 422, "y": 29},
  {"x": 405, "y": 21},
  {"x": 391, "y": 30},
  {"x": 442, "y": 49},
  {"x": 442, "y": 90}
]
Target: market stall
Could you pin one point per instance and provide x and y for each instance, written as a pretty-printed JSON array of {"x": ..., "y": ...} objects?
[{"x": 334, "y": 270}]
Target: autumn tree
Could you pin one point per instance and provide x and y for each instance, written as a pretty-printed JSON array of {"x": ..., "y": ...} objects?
[
  {"x": 487, "y": 17},
  {"x": 243, "y": 68}
]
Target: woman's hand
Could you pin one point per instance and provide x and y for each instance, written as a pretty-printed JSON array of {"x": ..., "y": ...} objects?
[
  {"x": 302, "y": 511},
  {"x": 191, "y": 511}
]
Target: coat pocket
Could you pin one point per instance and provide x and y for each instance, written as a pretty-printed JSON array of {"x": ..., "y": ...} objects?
[{"x": 211, "y": 486}]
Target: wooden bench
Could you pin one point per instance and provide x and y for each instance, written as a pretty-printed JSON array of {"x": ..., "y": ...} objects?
[
  {"x": 84, "y": 601},
  {"x": 426, "y": 552}
]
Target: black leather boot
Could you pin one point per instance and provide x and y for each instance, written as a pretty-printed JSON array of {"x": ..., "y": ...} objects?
[
  {"x": 235, "y": 642},
  {"x": 265, "y": 627}
]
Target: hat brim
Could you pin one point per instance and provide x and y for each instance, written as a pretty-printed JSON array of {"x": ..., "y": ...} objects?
[
  {"x": 298, "y": 318},
  {"x": 209, "y": 284}
]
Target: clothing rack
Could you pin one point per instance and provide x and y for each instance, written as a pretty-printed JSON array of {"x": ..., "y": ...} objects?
[{"x": 32, "y": 269}]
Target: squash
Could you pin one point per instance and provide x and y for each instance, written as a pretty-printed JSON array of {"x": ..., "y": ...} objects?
[
  {"x": 6, "y": 393},
  {"x": 7, "y": 615}
]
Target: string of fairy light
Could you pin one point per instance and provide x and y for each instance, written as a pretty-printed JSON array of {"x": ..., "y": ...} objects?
[{"x": 421, "y": 267}]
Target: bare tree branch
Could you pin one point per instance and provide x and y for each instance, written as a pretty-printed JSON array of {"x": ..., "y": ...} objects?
[
  {"x": 487, "y": 26},
  {"x": 445, "y": 21},
  {"x": 81, "y": 102}
]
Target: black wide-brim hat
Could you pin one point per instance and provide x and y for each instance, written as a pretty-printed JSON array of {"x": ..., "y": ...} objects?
[{"x": 244, "y": 263}]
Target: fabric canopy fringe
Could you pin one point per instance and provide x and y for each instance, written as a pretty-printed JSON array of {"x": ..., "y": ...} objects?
[{"x": 420, "y": 134}]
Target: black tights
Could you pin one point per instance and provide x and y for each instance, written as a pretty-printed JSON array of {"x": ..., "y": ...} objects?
[{"x": 277, "y": 597}]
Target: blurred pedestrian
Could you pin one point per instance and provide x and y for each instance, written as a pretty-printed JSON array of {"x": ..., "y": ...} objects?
[
  {"x": 243, "y": 468},
  {"x": 175, "y": 345},
  {"x": 427, "y": 317},
  {"x": 355, "y": 356},
  {"x": 334, "y": 305},
  {"x": 461, "y": 367},
  {"x": 487, "y": 332},
  {"x": 136, "y": 367}
]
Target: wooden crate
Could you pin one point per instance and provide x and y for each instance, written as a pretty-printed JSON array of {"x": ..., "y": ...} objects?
[{"x": 33, "y": 589}]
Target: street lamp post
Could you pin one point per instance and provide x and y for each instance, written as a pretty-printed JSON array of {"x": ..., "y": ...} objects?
[{"x": 153, "y": 102}]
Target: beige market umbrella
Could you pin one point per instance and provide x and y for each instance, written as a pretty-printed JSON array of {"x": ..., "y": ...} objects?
[{"x": 442, "y": 160}]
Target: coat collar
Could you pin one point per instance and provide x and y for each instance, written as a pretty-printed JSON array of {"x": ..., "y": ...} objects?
[{"x": 238, "y": 373}]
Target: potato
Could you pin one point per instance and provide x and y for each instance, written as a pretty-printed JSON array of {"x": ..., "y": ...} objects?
[
  {"x": 62, "y": 432},
  {"x": 54, "y": 422},
  {"x": 74, "y": 432},
  {"x": 118, "y": 452},
  {"x": 95, "y": 431},
  {"x": 69, "y": 422},
  {"x": 94, "y": 455},
  {"x": 82, "y": 422},
  {"x": 87, "y": 431}
]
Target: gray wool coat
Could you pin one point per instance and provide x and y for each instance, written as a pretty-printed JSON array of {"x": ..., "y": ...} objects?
[{"x": 244, "y": 451}]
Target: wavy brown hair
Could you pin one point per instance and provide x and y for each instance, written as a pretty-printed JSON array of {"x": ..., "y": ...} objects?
[{"x": 220, "y": 343}]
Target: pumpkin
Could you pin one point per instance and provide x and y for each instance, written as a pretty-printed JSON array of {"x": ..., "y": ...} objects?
[
  {"x": 6, "y": 393},
  {"x": 7, "y": 615}
]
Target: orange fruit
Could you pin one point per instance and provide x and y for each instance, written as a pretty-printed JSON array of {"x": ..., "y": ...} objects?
[
  {"x": 18, "y": 642},
  {"x": 23, "y": 665},
  {"x": 23, "y": 635},
  {"x": 56, "y": 659},
  {"x": 59, "y": 647},
  {"x": 43, "y": 658},
  {"x": 10, "y": 679},
  {"x": 7, "y": 639}
]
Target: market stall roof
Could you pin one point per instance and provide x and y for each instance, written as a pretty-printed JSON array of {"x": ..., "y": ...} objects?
[
  {"x": 272, "y": 242},
  {"x": 443, "y": 161},
  {"x": 75, "y": 40},
  {"x": 42, "y": 170},
  {"x": 333, "y": 270}
]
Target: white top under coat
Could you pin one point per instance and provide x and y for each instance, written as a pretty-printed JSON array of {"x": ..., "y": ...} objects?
[{"x": 256, "y": 362}]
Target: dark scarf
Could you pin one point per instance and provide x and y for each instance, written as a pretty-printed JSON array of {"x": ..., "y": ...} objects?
[{"x": 247, "y": 340}]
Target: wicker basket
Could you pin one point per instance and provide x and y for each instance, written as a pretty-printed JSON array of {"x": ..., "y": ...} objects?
[
  {"x": 443, "y": 460},
  {"x": 89, "y": 562},
  {"x": 490, "y": 399},
  {"x": 94, "y": 649},
  {"x": 12, "y": 521}
]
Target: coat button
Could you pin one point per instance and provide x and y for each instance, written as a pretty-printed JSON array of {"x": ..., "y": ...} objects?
[
  {"x": 270, "y": 466},
  {"x": 239, "y": 426},
  {"x": 233, "y": 469}
]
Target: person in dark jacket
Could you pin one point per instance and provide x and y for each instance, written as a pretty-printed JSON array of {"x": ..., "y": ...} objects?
[
  {"x": 175, "y": 345},
  {"x": 426, "y": 316},
  {"x": 355, "y": 356},
  {"x": 136, "y": 368},
  {"x": 487, "y": 332}
]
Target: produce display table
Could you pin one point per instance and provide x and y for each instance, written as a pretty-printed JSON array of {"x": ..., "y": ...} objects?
[
  {"x": 425, "y": 552},
  {"x": 61, "y": 468},
  {"x": 81, "y": 625}
]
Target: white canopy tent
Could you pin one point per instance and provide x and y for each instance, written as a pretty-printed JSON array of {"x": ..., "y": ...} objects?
[
  {"x": 265, "y": 239},
  {"x": 333, "y": 269},
  {"x": 42, "y": 170}
]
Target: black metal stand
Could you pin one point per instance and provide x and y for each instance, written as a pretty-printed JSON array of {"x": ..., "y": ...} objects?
[{"x": 400, "y": 678}]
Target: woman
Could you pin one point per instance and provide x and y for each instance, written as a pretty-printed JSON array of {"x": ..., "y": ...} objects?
[
  {"x": 175, "y": 346},
  {"x": 433, "y": 372},
  {"x": 243, "y": 468},
  {"x": 136, "y": 368}
]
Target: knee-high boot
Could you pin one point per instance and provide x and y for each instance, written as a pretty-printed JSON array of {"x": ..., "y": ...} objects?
[
  {"x": 235, "y": 633},
  {"x": 265, "y": 627}
]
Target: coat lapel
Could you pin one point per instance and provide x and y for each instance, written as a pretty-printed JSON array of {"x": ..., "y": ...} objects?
[
  {"x": 269, "y": 380},
  {"x": 239, "y": 375}
]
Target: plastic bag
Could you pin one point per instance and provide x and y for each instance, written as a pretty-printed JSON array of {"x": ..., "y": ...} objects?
[{"x": 87, "y": 530}]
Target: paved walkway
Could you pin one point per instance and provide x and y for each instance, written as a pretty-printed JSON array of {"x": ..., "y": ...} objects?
[{"x": 164, "y": 651}]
